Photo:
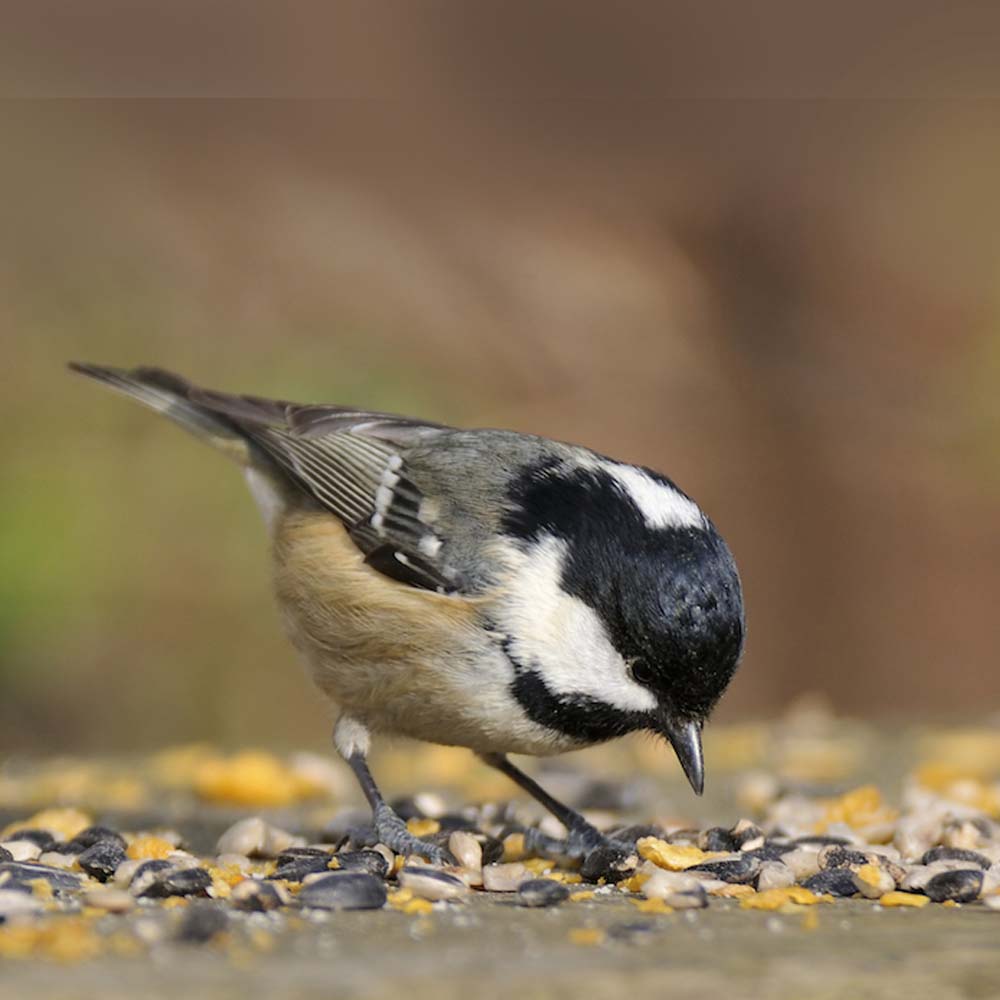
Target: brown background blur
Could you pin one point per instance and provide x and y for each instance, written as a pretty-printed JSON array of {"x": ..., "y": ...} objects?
[{"x": 773, "y": 286}]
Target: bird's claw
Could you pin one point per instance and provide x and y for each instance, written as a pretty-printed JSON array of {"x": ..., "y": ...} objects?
[{"x": 391, "y": 831}]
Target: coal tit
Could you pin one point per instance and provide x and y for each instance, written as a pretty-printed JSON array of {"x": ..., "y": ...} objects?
[{"x": 477, "y": 588}]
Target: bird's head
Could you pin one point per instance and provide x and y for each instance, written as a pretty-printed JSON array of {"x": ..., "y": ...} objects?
[{"x": 628, "y": 607}]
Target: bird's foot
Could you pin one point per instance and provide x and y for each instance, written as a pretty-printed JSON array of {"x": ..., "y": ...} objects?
[{"x": 391, "y": 831}]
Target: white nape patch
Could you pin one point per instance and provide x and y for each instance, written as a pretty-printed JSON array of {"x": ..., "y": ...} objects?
[
  {"x": 351, "y": 737},
  {"x": 269, "y": 499},
  {"x": 559, "y": 635},
  {"x": 429, "y": 545},
  {"x": 661, "y": 506}
]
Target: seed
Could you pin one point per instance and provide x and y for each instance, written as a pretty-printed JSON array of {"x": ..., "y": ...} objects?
[
  {"x": 256, "y": 838},
  {"x": 609, "y": 861},
  {"x": 835, "y": 856},
  {"x": 803, "y": 861},
  {"x": 258, "y": 896},
  {"x": 143, "y": 875},
  {"x": 467, "y": 851},
  {"x": 962, "y": 886},
  {"x": 740, "y": 870},
  {"x": 102, "y": 859},
  {"x": 954, "y": 854},
  {"x": 14, "y": 903},
  {"x": 539, "y": 892},
  {"x": 872, "y": 881},
  {"x": 372, "y": 862},
  {"x": 344, "y": 891},
  {"x": 112, "y": 900},
  {"x": 660, "y": 883},
  {"x": 833, "y": 881},
  {"x": 201, "y": 922},
  {"x": 774, "y": 875},
  {"x": 297, "y": 869},
  {"x": 747, "y": 835},
  {"x": 20, "y": 850},
  {"x": 505, "y": 877},
  {"x": 717, "y": 839},
  {"x": 428, "y": 883},
  {"x": 93, "y": 835},
  {"x": 20, "y": 874},
  {"x": 185, "y": 882}
]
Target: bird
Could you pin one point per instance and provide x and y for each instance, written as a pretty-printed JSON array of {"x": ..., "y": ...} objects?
[{"x": 479, "y": 588}]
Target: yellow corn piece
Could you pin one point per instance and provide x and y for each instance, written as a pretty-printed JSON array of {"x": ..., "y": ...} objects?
[
  {"x": 144, "y": 847},
  {"x": 41, "y": 888},
  {"x": 68, "y": 939},
  {"x": 673, "y": 857},
  {"x": 903, "y": 899},
  {"x": 634, "y": 883},
  {"x": 774, "y": 899},
  {"x": 870, "y": 874},
  {"x": 65, "y": 823},
  {"x": 513, "y": 847},
  {"x": 586, "y": 936},
  {"x": 417, "y": 907},
  {"x": 422, "y": 827},
  {"x": 858, "y": 808},
  {"x": 651, "y": 906},
  {"x": 582, "y": 896},
  {"x": 538, "y": 866},
  {"x": 567, "y": 878}
]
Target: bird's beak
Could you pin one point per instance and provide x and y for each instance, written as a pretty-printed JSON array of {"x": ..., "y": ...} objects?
[{"x": 685, "y": 738}]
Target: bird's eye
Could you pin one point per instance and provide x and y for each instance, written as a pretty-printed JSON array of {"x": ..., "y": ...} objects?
[{"x": 642, "y": 672}]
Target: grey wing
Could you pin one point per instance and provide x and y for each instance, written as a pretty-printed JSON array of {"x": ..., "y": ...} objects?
[{"x": 352, "y": 462}]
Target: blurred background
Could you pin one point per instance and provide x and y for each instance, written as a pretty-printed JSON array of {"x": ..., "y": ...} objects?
[{"x": 783, "y": 293}]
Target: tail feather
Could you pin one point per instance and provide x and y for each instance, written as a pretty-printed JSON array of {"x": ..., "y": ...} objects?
[{"x": 171, "y": 395}]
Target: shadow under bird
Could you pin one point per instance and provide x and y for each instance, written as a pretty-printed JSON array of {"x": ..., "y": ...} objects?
[{"x": 477, "y": 588}]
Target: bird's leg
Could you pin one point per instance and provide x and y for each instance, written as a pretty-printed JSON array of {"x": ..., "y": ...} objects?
[
  {"x": 352, "y": 741},
  {"x": 582, "y": 837}
]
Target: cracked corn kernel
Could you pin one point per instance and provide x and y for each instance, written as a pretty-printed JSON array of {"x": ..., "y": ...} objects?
[
  {"x": 422, "y": 827},
  {"x": 859, "y": 807},
  {"x": 538, "y": 866},
  {"x": 513, "y": 847},
  {"x": 40, "y": 888},
  {"x": 68, "y": 939},
  {"x": 586, "y": 936},
  {"x": 145, "y": 848},
  {"x": 567, "y": 878},
  {"x": 251, "y": 778},
  {"x": 400, "y": 897},
  {"x": 64, "y": 823},
  {"x": 870, "y": 875},
  {"x": 673, "y": 857},
  {"x": 903, "y": 899},
  {"x": 775, "y": 899},
  {"x": 416, "y": 907},
  {"x": 634, "y": 883},
  {"x": 651, "y": 906},
  {"x": 582, "y": 896}
]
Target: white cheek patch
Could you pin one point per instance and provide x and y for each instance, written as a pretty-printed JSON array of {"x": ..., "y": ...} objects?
[
  {"x": 560, "y": 636},
  {"x": 661, "y": 506}
]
